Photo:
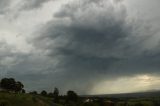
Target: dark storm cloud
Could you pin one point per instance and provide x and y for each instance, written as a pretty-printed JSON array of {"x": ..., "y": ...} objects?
[
  {"x": 95, "y": 41},
  {"x": 87, "y": 42},
  {"x": 8, "y": 58}
]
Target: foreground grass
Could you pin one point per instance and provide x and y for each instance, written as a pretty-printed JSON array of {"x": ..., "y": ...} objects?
[{"x": 11, "y": 99}]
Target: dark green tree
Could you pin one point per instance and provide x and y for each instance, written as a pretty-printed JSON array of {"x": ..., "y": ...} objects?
[
  {"x": 44, "y": 93},
  {"x": 10, "y": 84},
  {"x": 23, "y": 91},
  {"x": 56, "y": 95},
  {"x": 72, "y": 96},
  {"x": 18, "y": 86},
  {"x": 56, "y": 92},
  {"x": 34, "y": 93},
  {"x": 50, "y": 94}
]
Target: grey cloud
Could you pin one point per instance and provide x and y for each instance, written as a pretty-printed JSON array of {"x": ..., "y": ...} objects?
[
  {"x": 23, "y": 67},
  {"x": 33, "y": 69},
  {"x": 32, "y": 4},
  {"x": 4, "y": 6},
  {"x": 90, "y": 41},
  {"x": 8, "y": 58},
  {"x": 90, "y": 38}
]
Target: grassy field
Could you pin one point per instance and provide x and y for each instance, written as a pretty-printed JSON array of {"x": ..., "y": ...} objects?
[
  {"x": 11, "y": 99},
  {"x": 15, "y": 99}
]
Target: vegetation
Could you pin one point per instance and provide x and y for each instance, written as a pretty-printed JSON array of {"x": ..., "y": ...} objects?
[
  {"x": 72, "y": 96},
  {"x": 13, "y": 94},
  {"x": 56, "y": 95},
  {"x": 44, "y": 93},
  {"x": 17, "y": 99},
  {"x": 10, "y": 84}
]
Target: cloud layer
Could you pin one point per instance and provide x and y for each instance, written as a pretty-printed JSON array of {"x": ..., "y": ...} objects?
[
  {"x": 83, "y": 44},
  {"x": 29, "y": 5},
  {"x": 4, "y": 4},
  {"x": 95, "y": 41}
]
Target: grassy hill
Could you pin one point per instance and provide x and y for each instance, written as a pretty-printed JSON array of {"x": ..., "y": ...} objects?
[
  {"x": 11, "y": 99},
  {"x": 15, "y": 99}
]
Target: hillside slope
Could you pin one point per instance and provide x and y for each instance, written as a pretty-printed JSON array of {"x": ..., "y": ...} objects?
[{"x": 11, "y": 99}]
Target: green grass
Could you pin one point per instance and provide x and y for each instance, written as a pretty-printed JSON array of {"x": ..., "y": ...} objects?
[{"x": 12, "y": 99}]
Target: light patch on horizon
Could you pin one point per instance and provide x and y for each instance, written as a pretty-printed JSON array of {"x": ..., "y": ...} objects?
[{"x": 128, "y": 84}]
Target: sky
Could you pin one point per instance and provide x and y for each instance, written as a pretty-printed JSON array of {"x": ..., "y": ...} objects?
[{"x": 89, "y": 46}]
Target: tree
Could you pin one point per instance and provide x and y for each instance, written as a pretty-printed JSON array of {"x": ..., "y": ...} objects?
[
  {"x": 56, "y": 94},
  {"x": 50, "y": 94},
  {"x": 10, "y": 84},
  {"x": 44, "y": 93},
  {"x": 23, "y": 91},
  {"x": 18, "y": 86},
  {"x": 72, "y": 96},
  {"x": 34, "y": 92}
]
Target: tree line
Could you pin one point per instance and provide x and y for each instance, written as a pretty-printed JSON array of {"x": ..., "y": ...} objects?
[
  {"x": 71, "y": 96},
  {"x": 11, "y": 85}
]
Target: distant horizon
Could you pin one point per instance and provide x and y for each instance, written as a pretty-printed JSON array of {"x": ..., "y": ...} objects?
[{"x": 125, "y": 93}]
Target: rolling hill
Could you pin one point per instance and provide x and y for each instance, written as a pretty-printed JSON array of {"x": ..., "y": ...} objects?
[{"x": 14, "y": 99}]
